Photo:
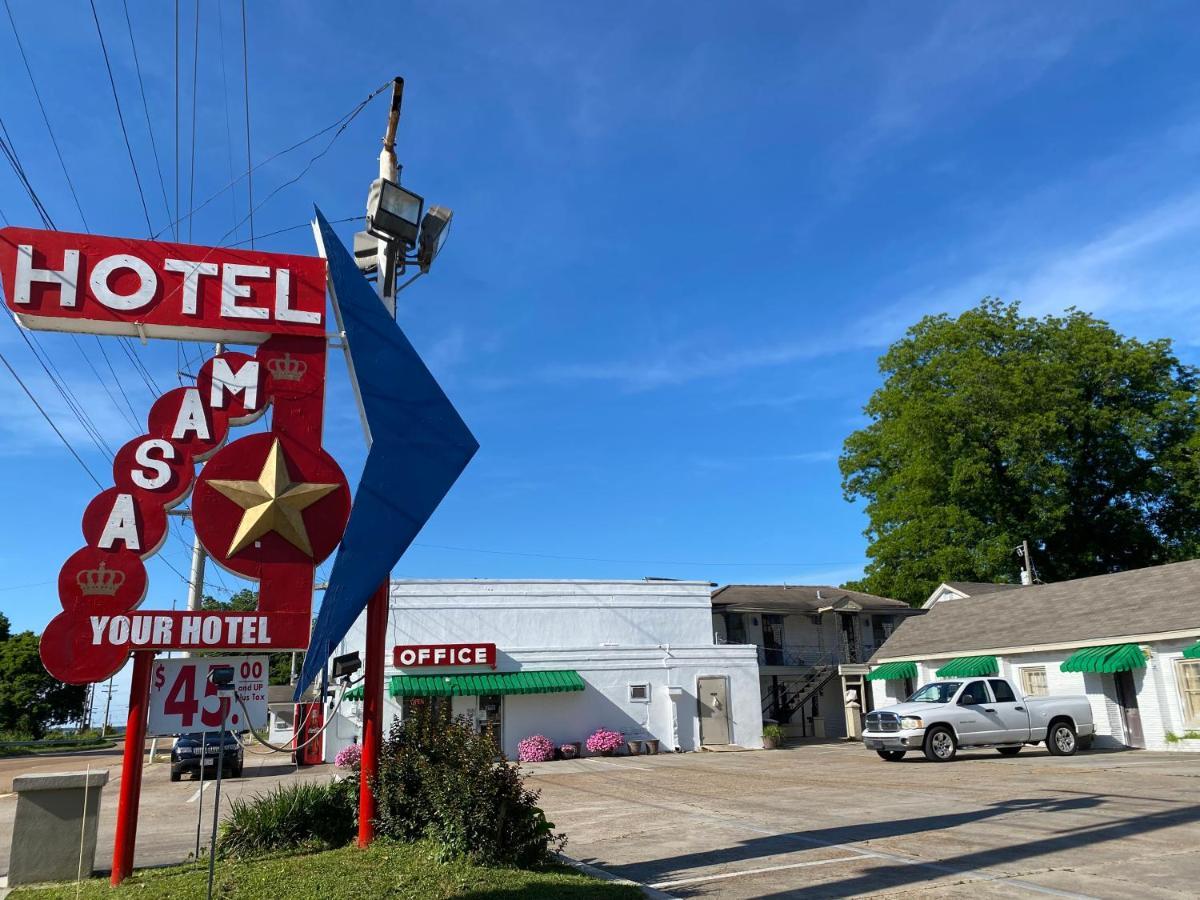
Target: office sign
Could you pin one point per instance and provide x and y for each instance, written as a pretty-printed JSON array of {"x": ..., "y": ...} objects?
[{"x": 416, "y": 656}]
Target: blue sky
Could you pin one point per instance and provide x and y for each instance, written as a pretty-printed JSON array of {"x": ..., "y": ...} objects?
[{"x": 684, "y": 232}]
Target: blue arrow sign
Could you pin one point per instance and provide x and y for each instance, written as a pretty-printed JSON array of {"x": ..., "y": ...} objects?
[{"x": 419, "y": 447}]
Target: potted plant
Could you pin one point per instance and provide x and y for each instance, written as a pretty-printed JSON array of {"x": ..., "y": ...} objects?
[
  {"x": 604, "y": 742},
  {"x": 773, "y": 736},
  {"x": 535, "y": 748},
  {"x": 569, "y": 751}
]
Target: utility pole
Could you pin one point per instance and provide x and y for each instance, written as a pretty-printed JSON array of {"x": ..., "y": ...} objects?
[
  {"x": 389, "y": 170},
  {"x": 1028, "y": 574},
  {"x": 107, "y": 706}
]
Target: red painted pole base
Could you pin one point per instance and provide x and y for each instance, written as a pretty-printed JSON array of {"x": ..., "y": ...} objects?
[
  {"x": 131, "y": 768},
  {"x": 377, "y": 620}
]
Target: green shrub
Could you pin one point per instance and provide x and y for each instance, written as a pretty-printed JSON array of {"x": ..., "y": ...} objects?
[
  {"x": 439, "y": 779},
  {"x": 310, "y": 816},
  {"x": 774, "y": 733}
]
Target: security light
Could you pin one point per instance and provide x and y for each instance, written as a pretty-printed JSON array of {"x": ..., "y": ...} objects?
[
  {"x": 221, "y": 677},
  {"x": 393, "y": 212},
  {"x": 347, "y": 665},
  {"x": 435, "y": 227}
]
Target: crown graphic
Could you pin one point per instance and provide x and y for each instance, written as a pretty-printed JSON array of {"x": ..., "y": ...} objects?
[
  {"x": 284, "y": 368},
  {"x": 99, "y": 581}
]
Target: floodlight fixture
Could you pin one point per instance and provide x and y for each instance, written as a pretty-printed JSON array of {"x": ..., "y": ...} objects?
[
  {"x": 366, "y": 252},
  {"x": 393, "y": 212},
  {"x": 435, "y": 228},
  {"x": 347, "y": 665},
  {"x": 221, "y": 677}
]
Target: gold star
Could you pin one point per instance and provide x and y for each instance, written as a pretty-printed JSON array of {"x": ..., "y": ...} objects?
[{"x": 272, "y": 503}]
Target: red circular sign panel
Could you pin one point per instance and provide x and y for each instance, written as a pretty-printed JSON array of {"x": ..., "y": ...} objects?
[
  {"x": 239, "y": 493},
  {"x": 154, "y": 467},
  {"x": 184, "y": 418},
  {"x": 231, "y": 396},
  {"x": 106, "y": 517},
  {"x": 102, "y": 582}
]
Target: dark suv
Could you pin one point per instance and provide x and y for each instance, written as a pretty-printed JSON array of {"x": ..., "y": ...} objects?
[{"x": 186, "y": 756}]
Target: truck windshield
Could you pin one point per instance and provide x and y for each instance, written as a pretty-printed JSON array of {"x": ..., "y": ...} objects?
[{"x": 936, "y": 692}]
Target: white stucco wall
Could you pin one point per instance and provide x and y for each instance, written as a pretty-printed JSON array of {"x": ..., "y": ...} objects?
[
  {"x": 1159, "y": 703},
  {"x": 613, "y": 634}
]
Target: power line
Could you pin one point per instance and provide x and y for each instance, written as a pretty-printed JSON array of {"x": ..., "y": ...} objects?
[
  {"x": 175, "y": 225},
  {"x": 340, "y": 123},
  {"x": 225, "y": 98},
  {"x": 145, "y": 108},
  {"x": 295, "y": 228},
  {"x": 73, "y": 404},
  {"x": 49, "y": 421},
  {"x": 104, "y": 383},
  {"x": 116, "y": 380},
  {"x": 121, "y": 116},
  {"x": 195, "y": 73},
  {"x": 45, "y": 118},
  {"x": 10, "y": 153},
  {"x": 246, "y": 95}
]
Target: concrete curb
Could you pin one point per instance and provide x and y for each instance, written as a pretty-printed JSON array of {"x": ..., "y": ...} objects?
[{"x": 652, "y": 893}]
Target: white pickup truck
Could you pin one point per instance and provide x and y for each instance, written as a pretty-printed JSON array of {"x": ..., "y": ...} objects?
[{"x": 978, "y": 712}]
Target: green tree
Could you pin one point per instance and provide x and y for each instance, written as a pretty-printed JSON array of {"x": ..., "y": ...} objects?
[
  {"x": 994, "y": 427},
  {"x": 246, "y": 600},
  {"x": 31, "y": 701}
]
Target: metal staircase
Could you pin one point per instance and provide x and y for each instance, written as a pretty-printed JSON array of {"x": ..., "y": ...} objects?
[{"x": 788, "y": 693}]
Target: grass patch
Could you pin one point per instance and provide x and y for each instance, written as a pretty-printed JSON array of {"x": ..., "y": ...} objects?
[
  {"x": 385, "y": 869},
  {"x": 57, "y": 747}
]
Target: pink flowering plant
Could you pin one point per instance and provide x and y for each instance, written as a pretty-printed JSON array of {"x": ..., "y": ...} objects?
[
  {"x": 535, "y": 748},
  {"x": 604, "y": 741},
  {"x": 568, "y": 751},
  {"x": 349, "y": 757}
]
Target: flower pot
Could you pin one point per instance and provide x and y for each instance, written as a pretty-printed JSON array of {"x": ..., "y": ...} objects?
[
  {"x": 635, "y": 748},
  {"x": 770, "y": 743},
  {"x": 652, "y": 747},
  {"x": 607, "y": 752}
]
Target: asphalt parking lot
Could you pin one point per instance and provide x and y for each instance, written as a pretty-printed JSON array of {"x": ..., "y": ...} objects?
[
  {"x": 820, "y": 820},
  {"x": 833, "y": 820}
]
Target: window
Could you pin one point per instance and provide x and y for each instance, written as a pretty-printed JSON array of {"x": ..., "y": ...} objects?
[
  {"x": 1033, "y": 681},
  {"x": 1189, "y": 691},
  {"x": 639, "y": 693},
  {"x": 974, "y": 694},
  {"x": 1002, "y": 692}
]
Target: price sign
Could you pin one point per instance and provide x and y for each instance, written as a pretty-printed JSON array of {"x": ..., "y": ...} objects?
[{"x": 182, "y": 699}]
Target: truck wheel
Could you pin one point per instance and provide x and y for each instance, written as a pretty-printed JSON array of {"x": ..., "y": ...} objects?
[
  {"x": 1008, "y": 751},
  {"x": 1061, "y": 740},
  {"x": 891, "y": 755},
  {"x": 175, "y": 776},
  {"x": 940, "y": 745}
]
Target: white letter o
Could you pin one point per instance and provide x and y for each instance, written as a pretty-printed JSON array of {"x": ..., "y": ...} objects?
[{"x": 123, "y": 302}]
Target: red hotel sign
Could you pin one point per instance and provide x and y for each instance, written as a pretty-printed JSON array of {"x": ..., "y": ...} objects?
[
  {"x": 268, "y": 507},
  {"x": 58, "y": 281},
  {"x": 422, "y": 655}
]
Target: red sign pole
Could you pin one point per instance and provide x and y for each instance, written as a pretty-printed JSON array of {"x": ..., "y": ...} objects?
[
  {"x": 377, "y": 618},
  {"x": 131, "y": 768}
]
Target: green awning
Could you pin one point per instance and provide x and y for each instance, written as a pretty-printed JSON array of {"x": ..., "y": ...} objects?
[
  {"x": 554, "y": 682},
  {"x": 1112, "y": 658},
  {"x": 1192, "y": 652},
  {"x": 969, "y": 667},
  {"x": 893, "y": 670},
  {"x": 355, "y": 693}
]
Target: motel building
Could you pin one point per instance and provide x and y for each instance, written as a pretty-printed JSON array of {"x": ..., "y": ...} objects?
[
  {"x": 1129, "y": 642},
  {"x": 563, "y": 659}
]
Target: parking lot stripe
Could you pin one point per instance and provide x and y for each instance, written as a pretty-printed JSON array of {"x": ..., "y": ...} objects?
[{"x": 719, "y": 876}]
